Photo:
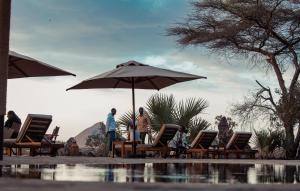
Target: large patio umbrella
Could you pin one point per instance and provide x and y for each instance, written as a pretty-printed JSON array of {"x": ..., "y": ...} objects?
[
  {"x": 20, "y": 66},
  {"x": 134, "y": 75}
]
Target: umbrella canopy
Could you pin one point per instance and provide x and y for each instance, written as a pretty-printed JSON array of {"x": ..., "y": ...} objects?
[
  {"x": 20, "y": 66},
  {"x": 144, "y": 77},
  {"x": 135, "y": 75}
]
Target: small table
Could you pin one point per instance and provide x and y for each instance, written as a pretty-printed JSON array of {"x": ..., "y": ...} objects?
[{"x": 123, "y": 145}]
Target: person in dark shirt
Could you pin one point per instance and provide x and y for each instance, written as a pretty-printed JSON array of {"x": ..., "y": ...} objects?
[{"x": 11, "y": 119}]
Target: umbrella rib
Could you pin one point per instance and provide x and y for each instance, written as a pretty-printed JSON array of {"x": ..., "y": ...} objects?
[
  {"x": 123, "y": 80},
  {"x": 118, "y": 81},
  {"x": 173, "y": 79},
  {"x": 153, "y": 84},
  {"x": 19, "y": 69},
  {"x": 143, "y": 80}
]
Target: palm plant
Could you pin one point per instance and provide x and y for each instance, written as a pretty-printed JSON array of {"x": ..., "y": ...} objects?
[
  {"x": 266, "y": 141},
  {"x": 262, "y": 142},
  {"x": 162, "y": 109}
]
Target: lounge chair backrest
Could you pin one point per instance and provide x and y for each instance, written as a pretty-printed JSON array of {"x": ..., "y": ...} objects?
[
  {"x": 239, "y": 140},
  {"x": 34, "y": 128},
  {"x": 166, "y": 133},
  {"x": 204, "y": 139}
]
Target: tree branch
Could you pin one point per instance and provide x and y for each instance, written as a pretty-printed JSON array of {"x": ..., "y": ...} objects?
[
  {"x": 252, "y": 49},
  {"x": 269, "y": 92},
  {"x": 265, "y": 107},
  {"x": 272, "y": 60}
]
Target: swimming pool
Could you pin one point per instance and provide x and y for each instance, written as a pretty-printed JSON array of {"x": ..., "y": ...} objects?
[{"x": 159, "y": 172}]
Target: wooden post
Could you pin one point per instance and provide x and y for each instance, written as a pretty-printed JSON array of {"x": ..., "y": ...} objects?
[{"x": 5, "y": 6}]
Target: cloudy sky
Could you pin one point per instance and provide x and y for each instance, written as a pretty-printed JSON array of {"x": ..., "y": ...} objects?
[{"x": 90, "y": 37}]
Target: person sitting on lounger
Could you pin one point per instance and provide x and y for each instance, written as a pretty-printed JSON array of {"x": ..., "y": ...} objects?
[
  {"x": 11, "y": 119},
  {"x": 179, "y": 142}
]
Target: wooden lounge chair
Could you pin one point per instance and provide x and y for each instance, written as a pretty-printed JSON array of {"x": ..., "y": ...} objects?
[
  {"x": 201, "y": 143},
  {"x": 51, "y": 138},
  {"x": 49, "y": 145},
  {"x": 31, "y": 134},
  {"x": 160, "y": 144},
  {"x": 237, "y": 145}
]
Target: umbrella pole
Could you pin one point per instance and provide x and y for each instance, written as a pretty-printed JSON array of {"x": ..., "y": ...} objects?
[
  {"x": 133, "y": 114},
  {"x": 1, "y": 136},
  {"x": 5, "y": 6}
]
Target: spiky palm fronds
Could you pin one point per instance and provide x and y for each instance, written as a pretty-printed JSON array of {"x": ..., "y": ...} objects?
[
  {"x": 186, "y": 110},
  {"x": 266, "y": 141},
  {"x": 198, "y": 124},
  {"x": 164, "y": 109},
  {"x": 160, "y": 108},
  {"x": 125, "y": 119}
]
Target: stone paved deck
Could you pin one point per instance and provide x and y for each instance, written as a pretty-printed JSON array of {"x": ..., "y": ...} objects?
[{"x": 106, "y": 160}]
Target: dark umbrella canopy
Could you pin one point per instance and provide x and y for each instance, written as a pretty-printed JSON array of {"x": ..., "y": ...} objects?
[
  {"x": 21, "y": 66},
  {"x": 145, "y": 77}
]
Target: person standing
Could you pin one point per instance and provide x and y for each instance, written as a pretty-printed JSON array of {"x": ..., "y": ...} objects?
[
  {"x": 130, "y": 128},
  {"x": 111, "y": 127},
  {"x": 142, "y": 124}
]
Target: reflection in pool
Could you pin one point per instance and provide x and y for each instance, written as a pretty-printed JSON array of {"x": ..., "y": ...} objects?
[{"x": 186, "y": 173}]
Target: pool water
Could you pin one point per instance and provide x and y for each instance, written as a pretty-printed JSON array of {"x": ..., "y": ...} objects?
[{"x": 152, "y": 172}]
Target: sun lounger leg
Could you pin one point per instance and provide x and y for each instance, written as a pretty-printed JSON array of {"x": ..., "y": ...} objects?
[
  {"x": 19, "y": 151},
  {"x": 9, "y": 151},
  {"x": 113, "y": 150},
  {"x": 123, "y": 151},
  {"x": 53, "y": 152},
  {"x": 32, "y": 152}
]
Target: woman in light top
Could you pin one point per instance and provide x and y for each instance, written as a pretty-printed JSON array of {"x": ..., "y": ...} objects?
[{"x": 130, "y": 127}]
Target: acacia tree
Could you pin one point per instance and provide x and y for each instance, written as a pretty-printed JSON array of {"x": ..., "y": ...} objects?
[{"x": 269, "y": 32}]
